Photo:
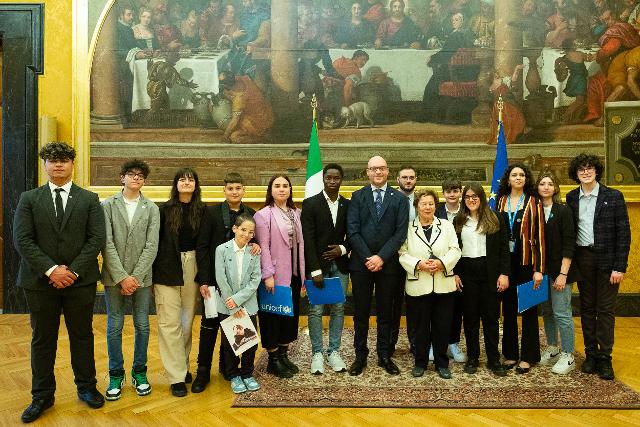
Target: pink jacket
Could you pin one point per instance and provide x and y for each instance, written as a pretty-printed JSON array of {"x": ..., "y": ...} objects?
[{"x": 271, "y": 233}]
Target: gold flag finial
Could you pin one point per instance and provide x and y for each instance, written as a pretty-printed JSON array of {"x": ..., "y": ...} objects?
[
  {"x": 500, "y": 108},
  {"x": 314, "y": 105}
]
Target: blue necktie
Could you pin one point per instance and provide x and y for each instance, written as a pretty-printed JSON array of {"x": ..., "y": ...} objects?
[{"x": 378, "y": 202}]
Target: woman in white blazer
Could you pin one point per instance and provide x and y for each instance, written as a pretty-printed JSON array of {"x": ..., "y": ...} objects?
[{"x": 429, "y": 255}]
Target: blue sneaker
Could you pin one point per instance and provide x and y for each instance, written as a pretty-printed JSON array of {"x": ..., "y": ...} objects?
[
  {"x": 251, "y": 384},
  {"x": 237, "y": 385}
]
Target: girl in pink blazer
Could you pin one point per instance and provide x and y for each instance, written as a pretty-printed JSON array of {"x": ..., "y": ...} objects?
[{"x": 279, "y": 234}]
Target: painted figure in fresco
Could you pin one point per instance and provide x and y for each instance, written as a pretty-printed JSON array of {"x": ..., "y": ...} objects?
[
  {"x": 255, "y": 22},
  {"x": 571, "y": 65},
  {"x": 514, "y": 123},
  {"x": 349, "y": 70},
  {"x": 143, "y": 32},
  {"x": 438, "y": 25},
  {"x": 373, "y": 12},
  {"x": 398, "y": 30},
  {"x": 355, "y": 31},
  {"x": 482, "y": 24},
  {"x": 167, "y": 34},
  {"x": 210, "y": 24},
  {"x": 163, "y": 75},
  {"x": 532, "y": 24},
  {"x": 623, "y": 75},
  {"x": 630, "y": 12},
  {"x": 189, "y": 30},
  {"x": 252, "y": 115},
  {"x": 561, "y": 26}
]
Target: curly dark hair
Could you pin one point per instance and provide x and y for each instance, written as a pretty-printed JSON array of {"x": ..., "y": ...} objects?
[
  {"x": 583, "y": 160},
  {"x": 269, "y": 201},
  {"x": 57, "y": 151},
  {"x": 505, "y": 189},
  {"x": 134, "y": 164}
]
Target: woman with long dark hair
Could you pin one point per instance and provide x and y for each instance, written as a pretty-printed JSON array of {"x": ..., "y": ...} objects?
[
  {"x": 175, "y": 276},
  {"x": 279, "y": 234},
  {"x": 482, "y": 274},
  {"x": 520, "y": 208}
]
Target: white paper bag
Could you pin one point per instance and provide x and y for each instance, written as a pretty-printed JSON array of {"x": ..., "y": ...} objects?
[{"x": 211, "y": 303}]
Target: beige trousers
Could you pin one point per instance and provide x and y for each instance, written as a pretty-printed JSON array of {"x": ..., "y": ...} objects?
[{"x": 176, "y": 307}]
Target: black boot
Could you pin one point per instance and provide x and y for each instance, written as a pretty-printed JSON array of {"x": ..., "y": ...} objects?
[
  {"x": 203, "y": 375},
  {"x": 283, "y": 349},
  {"x": 277, "y": 367}
]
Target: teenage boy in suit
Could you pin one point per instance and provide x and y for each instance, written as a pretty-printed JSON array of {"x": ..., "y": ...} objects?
[{"x": 58, "y": 230}]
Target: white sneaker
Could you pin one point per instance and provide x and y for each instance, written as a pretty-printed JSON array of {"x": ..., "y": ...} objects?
[
  {"x": 336, "y": 362},
  {"x": 457, "y": 355},
  {"x": 564, "y": 365},
  {"x": 431, "y": 354},
  {"x": 550, "y": 355},
  {"x": 317, "y": 364}
]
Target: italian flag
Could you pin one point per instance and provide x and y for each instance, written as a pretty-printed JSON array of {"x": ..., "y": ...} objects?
[{"x": 314, "y": 183}]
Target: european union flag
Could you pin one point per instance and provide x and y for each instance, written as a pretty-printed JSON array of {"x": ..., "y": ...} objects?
[{"x": 499, "y": 166}]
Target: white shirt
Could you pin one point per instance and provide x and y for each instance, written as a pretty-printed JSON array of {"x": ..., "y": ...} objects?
[
  {"x": 64, "y": 193},
  {"x": 412, "y": 209},
  {"x": 586, "y": 214},
  {"x": 474, "y": 243},
  {"x": 239, "y": 259},
  {"x": 131, "y": 206},
  {"x": 451, "y": 215},
  {"x": 333, "y": 207},
  {"x": 547, "y": 212},
  {"x": 375, "y": 192}
]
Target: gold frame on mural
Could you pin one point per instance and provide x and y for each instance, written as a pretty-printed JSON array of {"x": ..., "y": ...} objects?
[{"x": 82, "y": 56}]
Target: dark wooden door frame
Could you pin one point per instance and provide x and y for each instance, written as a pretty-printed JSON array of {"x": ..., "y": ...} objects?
[{"x": 22, "y": 32}]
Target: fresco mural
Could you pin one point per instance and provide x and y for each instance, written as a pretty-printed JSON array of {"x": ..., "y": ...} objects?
[{"x": 244, "y": 72}]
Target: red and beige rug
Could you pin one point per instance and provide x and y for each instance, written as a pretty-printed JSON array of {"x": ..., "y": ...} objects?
[{"x": 540, "y": 388}]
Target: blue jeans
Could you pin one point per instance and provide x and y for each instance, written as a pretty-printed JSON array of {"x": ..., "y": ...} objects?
[
  {"x": 557, "y": 315},
  {"x": 336, "y": 319},
  {"x": 141, "y": 300}
]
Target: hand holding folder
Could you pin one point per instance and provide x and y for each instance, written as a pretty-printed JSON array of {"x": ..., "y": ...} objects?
[
  {"x": 529, "y": 297},
  {"x": 330, "y": 293}
]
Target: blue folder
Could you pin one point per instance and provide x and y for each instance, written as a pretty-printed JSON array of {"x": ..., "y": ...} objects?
[
  {"x": 332, "y": 292},
  {"x": 529, "y": 297},
  {"x": 280, "y": 302}
]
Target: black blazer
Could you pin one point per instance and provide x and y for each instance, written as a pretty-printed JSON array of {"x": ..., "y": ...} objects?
[
  {"x": 41, "y": 244},
  {"x": 560, "y": 241},
  {"x": 213, "y": 232},
  {"x": 441, "y": 211},
  {"x": 498, "y": 257},
  {"x": 319, "y": 232},
  {"x": 611, "y": 231},
  {"x": 368, "y": 236}
]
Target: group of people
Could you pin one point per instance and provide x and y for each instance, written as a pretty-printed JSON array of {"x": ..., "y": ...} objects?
[{"x": 453, "y": 264}]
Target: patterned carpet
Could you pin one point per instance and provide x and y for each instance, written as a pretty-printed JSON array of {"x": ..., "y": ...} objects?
[{"x": 375, "y": 388}]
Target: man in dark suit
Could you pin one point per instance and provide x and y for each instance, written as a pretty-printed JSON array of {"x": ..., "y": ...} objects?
[
  {"x": 603, "y": 242},
  {"x": 214, "y": 231},
  {"x": 324, "y": 228},
  {"x": 377, "y": 223},
  {"x": 59, "y": 230}
]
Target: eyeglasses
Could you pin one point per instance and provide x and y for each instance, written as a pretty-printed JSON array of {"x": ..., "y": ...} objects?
[
  {"x": 473, "y": 198},
  {"x": 133, "y": 175},
  {"x": 377, "y": 168},
  {"x": 586, "y": 169}
]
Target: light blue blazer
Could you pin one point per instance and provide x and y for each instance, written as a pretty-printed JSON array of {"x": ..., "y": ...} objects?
[{"x": 244, "y": 292}]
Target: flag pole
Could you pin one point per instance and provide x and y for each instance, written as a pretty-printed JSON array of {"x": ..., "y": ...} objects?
[
  {"x": 314, "y": 105},
  {"x": 500, "y": 108}
]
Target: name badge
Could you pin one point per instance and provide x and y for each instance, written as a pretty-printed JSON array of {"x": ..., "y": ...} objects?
[{"x": 512, "y": 246}]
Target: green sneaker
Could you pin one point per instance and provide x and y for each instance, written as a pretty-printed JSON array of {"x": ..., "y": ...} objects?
[
  {"x": 140, "y": 382},
  {"x": 115, "y": 386}
]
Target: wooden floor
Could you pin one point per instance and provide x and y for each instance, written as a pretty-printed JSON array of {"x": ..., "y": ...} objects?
[{"x": 213, "y": 407}]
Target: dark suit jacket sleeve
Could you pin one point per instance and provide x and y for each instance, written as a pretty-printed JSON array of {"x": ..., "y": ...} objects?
[
  {"x": 95, "y": 237},
  {"x": 203, "y": 249},
  {"x": 568, "y": 232},
  {"x": 623, "y": 234},
  {"x": 400, "y": 233},
  {"x": 24, "y": 235},
  {"x": 345, "y": 241},
  {"x": 354, "y": 227},
  {"x": 309, "y": 233}
]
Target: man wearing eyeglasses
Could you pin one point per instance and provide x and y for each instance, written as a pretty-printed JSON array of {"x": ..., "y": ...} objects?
[
  {"x": 133, "y": 226},
  {"x": 603, "y": 242},
  {"x": 377, "y": 222}
]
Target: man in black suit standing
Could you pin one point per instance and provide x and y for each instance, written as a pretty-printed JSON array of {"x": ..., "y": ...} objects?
[
  {"x": 377, "y": 223},
  {"x": 324, "y": 228},
  {"x": 59, "y": 230},
  {"x": 603, "y": 242}
]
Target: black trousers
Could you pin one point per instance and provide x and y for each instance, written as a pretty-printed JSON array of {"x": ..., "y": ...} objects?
[
  {"x": 597, "y": 304},
  {"x": 237, "y": 366},
  {"x": 45, "y": 308},
  {"x": 389, "y": 288},
  {"x": 530, "y": 342},
  {"x": 276, "y": 329},
  {"x": 481, "y": 302},
  {"x": 208, "y": 336},
  {"x": 432, "y": 317},
  {"x": 456, "y": 318}
]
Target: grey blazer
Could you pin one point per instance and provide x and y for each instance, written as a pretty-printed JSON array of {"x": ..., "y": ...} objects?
[
  {"x": 129, "y": 248},
  {"x": 244, "y": 293}
]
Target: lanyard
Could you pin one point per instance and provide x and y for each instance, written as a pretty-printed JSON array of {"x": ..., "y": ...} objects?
[{"x": 512, "y": 216}]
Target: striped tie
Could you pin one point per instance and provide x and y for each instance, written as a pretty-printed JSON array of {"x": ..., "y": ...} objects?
[{"x": 378, "y": 202}]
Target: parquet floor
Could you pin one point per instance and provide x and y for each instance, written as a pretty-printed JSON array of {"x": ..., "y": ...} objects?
[{"x": 213, "y": 407}]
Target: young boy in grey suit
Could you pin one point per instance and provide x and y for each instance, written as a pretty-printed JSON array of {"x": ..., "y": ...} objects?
[{"x": 133, "y": 225}]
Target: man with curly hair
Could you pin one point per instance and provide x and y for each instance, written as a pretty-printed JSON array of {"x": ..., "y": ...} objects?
[
  {"x": 603, "y": 242},
  {"x": 59, "y": 231}
]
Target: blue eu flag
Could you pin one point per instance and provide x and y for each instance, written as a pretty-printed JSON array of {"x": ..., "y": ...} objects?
[{"x": 499, "y": 166}]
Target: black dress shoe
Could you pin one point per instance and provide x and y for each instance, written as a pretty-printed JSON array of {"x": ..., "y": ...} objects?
[
  {"x": 388, "y": 365},
  {"x": 179, "y": 389},
  {"x": 35, "y": 409},
  {"x": 417, "y": 371},
  {"x": 508, "y": 366},
  {"x": 188, "y": 378},
  {"x": 497, "y": 368},
  {"x": 357, "y": 367},
  {"x": 589, "y": 365},
  {"x": 203, "y": 376},
  {"x": 522, "y": 370},
  {"x": 471, "y": 366},
  {"x": 276, "y": 366},
  {"x": 93, "y": 398},
  {"x": 444, "y": 373},
  {"x": 604, "y": 368}
]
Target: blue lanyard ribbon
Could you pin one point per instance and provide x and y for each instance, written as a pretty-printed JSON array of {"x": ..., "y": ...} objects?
[{"x": 512, "y": 215}]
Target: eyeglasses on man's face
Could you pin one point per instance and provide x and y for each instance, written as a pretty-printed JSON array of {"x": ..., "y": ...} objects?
[
  {"x": 133, "y": 175},
  {"x": 586, "y": 169},
  {"x": 377, "y": 169}
]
